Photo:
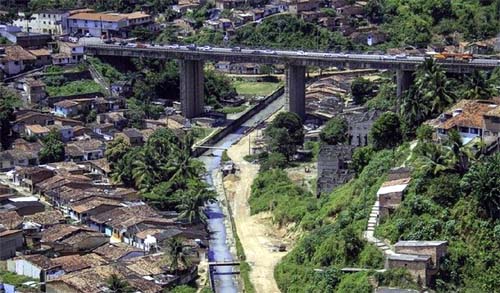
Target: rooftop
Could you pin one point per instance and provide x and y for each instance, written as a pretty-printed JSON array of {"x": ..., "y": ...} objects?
[
  {"x": 10, "y": 219},
  {"x": 46, "y": 218},
  {"x": 66, "y": 104},
  {"x": 416, "y": 243},
  {"x": 408, "y": 257},
  {"x": 37, "y": 129},
  {"x": 98, "y": 17},
  {"x": 115, "y": 251},
  {"x": 16, "y": 53},
  {"x": 467, "y": 113}
]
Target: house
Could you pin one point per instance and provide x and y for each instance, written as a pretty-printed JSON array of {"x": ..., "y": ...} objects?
[
  {"x": 418, "y": 266},
  {"x": 84, "y": 150},
  {"x": 471, "y": 118},
  {"x": 95, "y": 280},
  {"x": 10, "y": 241},
  {"x": 66, "y": 108},
  {"x": 46, "y": 219},
  {"x": 100, "y": 167},
  {"x": 296, "y": 7},
  {"x": 28, "y": 177},
  {"x": 14, "y": 59},
  {"x": 117, "y": 119},
  {"x": 114, "y": 252},
  {"x": 391, "y": 194},
  {"x": 36, "y": 130},
  {"x": 10, "y": 220},
  {"x": 52, "y": 22},
  {"x": 35, "y": 90},
  {"x": 62, "y": 59},
  {"x": 35, "y": 266},
  {"x": 75, "y": 51},
  {"x": 42, "y": 57},
  {"x": 435, "y": 249},
  {"x": 26, "y": 205},
  {"x": 15, "y": 157},
  {"x": 69, "y": 239},
  {"x": 132, "y": 136},
  {"x": 82, "y": 210},
  {"x": 65, "y": 131},
  {"x": 30, "y": 118},
  {"x": 108, "y": 25}
]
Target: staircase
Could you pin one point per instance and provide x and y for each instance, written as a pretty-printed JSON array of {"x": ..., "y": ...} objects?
[{"x": 370, "y": 230}]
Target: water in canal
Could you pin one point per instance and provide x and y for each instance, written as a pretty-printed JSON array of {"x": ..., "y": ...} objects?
[{"x": 218, "y": 249}]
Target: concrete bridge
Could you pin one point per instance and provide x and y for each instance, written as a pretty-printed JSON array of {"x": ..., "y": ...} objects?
[{"x": 191, "y": 61}]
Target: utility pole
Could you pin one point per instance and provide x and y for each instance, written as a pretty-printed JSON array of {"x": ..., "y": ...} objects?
[{"x": 249, "y": 147}]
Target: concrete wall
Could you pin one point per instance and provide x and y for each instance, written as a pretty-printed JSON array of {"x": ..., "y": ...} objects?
[
  {"x": 418, "y": 270},
  {"x": 238, "y": 122},
  {"x": 436, "y": 252}
]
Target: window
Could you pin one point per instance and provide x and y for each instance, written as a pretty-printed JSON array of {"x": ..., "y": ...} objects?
[
  {"x": 464, "y": 129},
  {"x": 74, "y": 20},
  {"x": 474, "y": 131}
]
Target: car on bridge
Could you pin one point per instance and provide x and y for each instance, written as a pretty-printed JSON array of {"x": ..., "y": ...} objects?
[
  {"x": 206, "y": 48},
  {"x": 174, "y": 46},
  {"x": 191, "y": 47},
  {"x": 302, "y": 53},
  {"x": 236, "y": 49},
  {"x": 272, "y": 52}
]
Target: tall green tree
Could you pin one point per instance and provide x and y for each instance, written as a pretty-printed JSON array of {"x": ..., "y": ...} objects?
[
  {"x": 285, "y": 133},
  {"x": 52, "y": 149},
  {"x": 116, "y": 149},
  {"x": 8, "y": 102},
  {"x": 478, "y": 86},
  {"x": 482, "y": 182},
  {"x": 177, "y": 254},
  {"x": 334, "y": 131},
  {"x": 433, "y": 87},
  {"x": 193, "y": 201},
  {"x": 386, "y": 131}
]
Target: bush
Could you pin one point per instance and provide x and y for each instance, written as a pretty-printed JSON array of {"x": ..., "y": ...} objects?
[
  {"x": 335, "y": 131},
  {"x": 357, "y": 282}
]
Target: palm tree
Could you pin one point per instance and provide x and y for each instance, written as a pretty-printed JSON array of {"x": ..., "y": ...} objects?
[
  {"x": 117, "y": 285},
  {"x": 461, "y": 154},
  {"x": 176, "y": 251},
  {"x": 478, "y": 86},
  {"x": 414, "y": 109},
  {"x": 193, "y": 201},
  {"x": 433, "y": 158},
  {"x": 433, "y": 86}
]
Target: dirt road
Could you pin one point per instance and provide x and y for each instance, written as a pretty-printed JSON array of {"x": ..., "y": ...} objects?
[{"x": 255, "y": 232}]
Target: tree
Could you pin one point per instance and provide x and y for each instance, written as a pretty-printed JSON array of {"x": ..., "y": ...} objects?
[
  {"x": 193, "y": 201},
  {"x": 482, "y": 182},
  {"x": 386, "y": 131},
  {"x": 8, "y": 102},
  {"x": 335, "y": 131},
  {"x": 117, "y": 285},
  {"x": 478, "y": 86},
  {"x": 362, "y": 89},
  {"x": 292, "y": 123},
  {"x": 52, "y": 149},
  {"x": 433, "y": 86},
  {"x": 424, "y": 133},
  {"x": 274, "y": 161},
  {"x": 432, "y": 159},
  {"x": 360, "y": 158},
  {"x": 461, "y": 154},
  {"x": 116, "y": 149},
  {"x": 285, "y": 133},
  {"x": 176, "y": 251}
]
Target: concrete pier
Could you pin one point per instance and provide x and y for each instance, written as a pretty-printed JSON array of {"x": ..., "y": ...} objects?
[
  {"x": 191, "y": 87},
  {"x": 404, "y": 80},
  {"x": 295, "y": 90}
]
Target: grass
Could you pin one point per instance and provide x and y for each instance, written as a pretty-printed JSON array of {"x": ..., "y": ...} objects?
[
  {"x": 74, "y": 87},
  {"x": 14, "y": 279},
  {"x": 233, "y": 110},
  {"x": 247, "y": 88},
  {"x": 200, "y": 133}
]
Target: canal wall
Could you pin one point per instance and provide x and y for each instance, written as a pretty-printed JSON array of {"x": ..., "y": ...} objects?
[{"x": 236, "y": 124}]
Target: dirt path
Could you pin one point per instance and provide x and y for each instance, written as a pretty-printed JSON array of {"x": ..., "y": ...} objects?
[{"x": 255, "y": 232}]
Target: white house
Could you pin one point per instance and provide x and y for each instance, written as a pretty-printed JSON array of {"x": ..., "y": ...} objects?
[
  {"x": 47, "y": 22},
  {"x": 14, "y": 59}
]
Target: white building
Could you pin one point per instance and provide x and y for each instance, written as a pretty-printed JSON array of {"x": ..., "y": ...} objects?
[
  {"x": 45, "y": 22},
  {"x": 108, "y": 24}
]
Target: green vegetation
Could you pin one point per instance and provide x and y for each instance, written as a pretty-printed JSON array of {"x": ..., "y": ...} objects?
[
  {"x": 15, "y": 279},
  {"x": 234, "y": 110},
  {"x": 334, "y": 131},
  {"x": 8, "y": 102},
  {"x": 273, "y": 191},
  {"x": 110, "y": 73},
  {"x": 335, "y": 224},
  {"x": 183, "y": 289},
  {"x": 200, "y": 133},
  {"x": 386, "y": 132},
  {"x": 462, "y": 209},
  {"x": 288, "y": 31},
  {"x": 362, "y": 89},
  {"x": 117, "y": 284},
  {"x": 165, "y": 173},
  {"x": 247, "y": 88},
  {"x": 73, "y": 88},
  {"x": 52, "y": 149},
  {"x": 415, "y": 22},
  {"x": 284, "y": 134}
]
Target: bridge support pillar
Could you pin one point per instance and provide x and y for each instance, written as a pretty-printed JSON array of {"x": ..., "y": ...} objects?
[
  {"x": 295, "y": 90},
  {"x": 191, "y": 79},
  {"x": 403, "y": 81}
]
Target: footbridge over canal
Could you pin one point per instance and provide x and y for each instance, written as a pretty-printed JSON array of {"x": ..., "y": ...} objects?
[{"x": 191, "y": 61}]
